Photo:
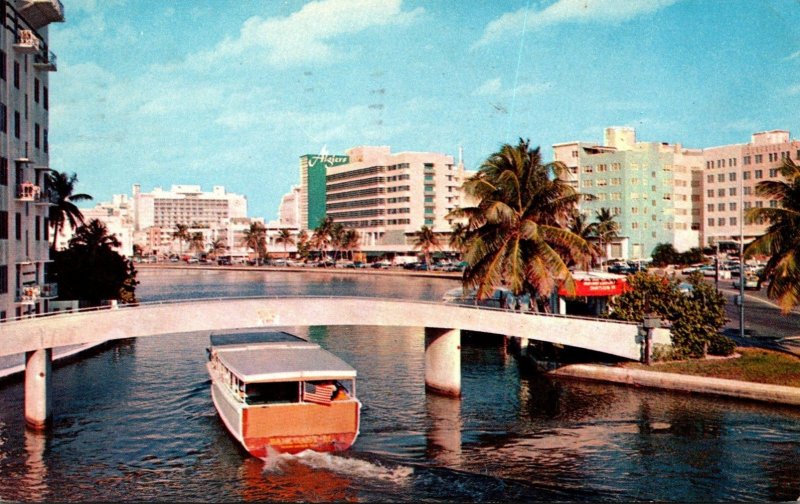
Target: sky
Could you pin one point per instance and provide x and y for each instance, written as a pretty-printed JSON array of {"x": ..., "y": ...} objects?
[{"x": 232, "y": 93}]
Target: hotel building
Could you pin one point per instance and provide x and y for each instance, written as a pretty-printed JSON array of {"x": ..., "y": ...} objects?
[
  {"x": 157, "y": 214},
  {"x": 25, "y": 64},
  {"x": 728, "y": 184},
  {"x": 387, "y": 197},
  {"x": 652, "y": 189}
]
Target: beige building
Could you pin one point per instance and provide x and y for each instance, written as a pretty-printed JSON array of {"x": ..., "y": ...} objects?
[
  {"x": 116, "y": 215},
  {"x": 25, "y": 64},
  {"x": 387, "y": 197},
  {"x": 728, "y": 184}
]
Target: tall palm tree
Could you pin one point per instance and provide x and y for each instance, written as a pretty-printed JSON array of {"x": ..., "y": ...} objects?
[
  {"x": 285, "y": 237},
  {"x": 337, "y": 232},
  {"x": 215, "y": 246},
  {"x": 580, "y": 225},
  {"x": 426, "y": 240},
  {"x": 351, "y": 242},
  {"x": 197, "y": 242},
  {"x": 781, "y": 241},
  {"x": 182, "y": 235},
  {"x": 255, "y": 239},
  {"x": 62, "y": 199},
  {"x": 458, "y": 238},
  {"x": 321, "y": 239},
  {"x": 606, "y": 229},
  {"x": 303, "y": 245},
  {"x": 517, "y": 232}
]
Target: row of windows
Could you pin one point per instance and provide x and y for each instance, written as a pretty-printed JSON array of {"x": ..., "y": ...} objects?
[
  {"x": 356, "y": 204},
  {"x": 399, "y": 166},
  {"x": 402, "y": 199},
  {"x": 398, "y": 188},
  {"x": 356, "y": 173},
  {"x": 358, "y": 213},
  {"x": 357, "y": 183},
  {"x": 39, "y": 134},
  {"x": 370, "y": 191},
  {"x": 364, "y": 223},
  {"x": 38, "y": 96},
  {"x": 41, "y": 227},
  {"x": 394, "y": 211}
]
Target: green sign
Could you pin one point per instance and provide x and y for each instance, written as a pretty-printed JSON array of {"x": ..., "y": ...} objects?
[{"x": 318, "y": 165}]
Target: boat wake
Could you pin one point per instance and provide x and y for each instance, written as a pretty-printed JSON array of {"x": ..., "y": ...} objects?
[{"x": 362, "y": 469}]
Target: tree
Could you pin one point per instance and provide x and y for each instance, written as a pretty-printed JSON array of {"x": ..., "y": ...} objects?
[
  {"x": 285, "y": 237},
  {"x": 781, "y": 241},
  {"x": 90, "y": 270},
  {"x": 303, "y": 246},
  {"x": 197, "y": 242},
  {"x": 255, "y": 239},
  {"x": 606, "y": 230},
  {"x": 321, "y": 239},
  {"x": 336, "y": 234},
  {"x": 351, "y": 242},
  {"x": 517, "y": 232},
  {"x": 695, "y": 318},
  {"x": 458, "y": 238},
  {"x": 216, "y": 246},
  {"x": 181, "y": 234},
  {"x": 579, "y": 224},
  {"x": 426, "y": 240},
  {"x": 664, "y": 254},
  {"x": 62, "y": 199}
]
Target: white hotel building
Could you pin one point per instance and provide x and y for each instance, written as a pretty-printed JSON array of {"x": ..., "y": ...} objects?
[{"x": 25, "y": 64}]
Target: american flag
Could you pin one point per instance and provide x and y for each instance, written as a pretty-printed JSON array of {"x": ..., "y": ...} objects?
[{"x": 320, "y": 394}]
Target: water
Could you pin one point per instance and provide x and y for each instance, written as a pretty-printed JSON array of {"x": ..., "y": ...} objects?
[{"x": 134, "y": 421}]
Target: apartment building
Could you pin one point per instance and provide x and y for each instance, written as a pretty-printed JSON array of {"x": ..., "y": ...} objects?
[
  {"x": 116, "y": 215},
  {"x": 652, "y": 189},
  {"x": 730, "y": 175},
  {"x": 156, "y": 215},
  {"x": 387, "y": 197},
  {"x": 25, "y": 64}
]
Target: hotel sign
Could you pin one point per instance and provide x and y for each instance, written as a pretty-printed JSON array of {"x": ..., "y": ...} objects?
[{"x": 326, "y": 160}]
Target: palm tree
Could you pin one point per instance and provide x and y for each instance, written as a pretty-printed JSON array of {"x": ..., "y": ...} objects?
[
  {"x": 580, "y": 225},
  {"x": 781, "y": 241},
  {"x": 458, "y": 238},
  {"x": 215, "y": 246},
  {"x": 93, "y": 236},
  {"x": 285, "y": 237},
  {"x": 255, "y": 239},
  {"x": 303, "y": 245},
  {"x": 182, "y": 235},
  {"x": 337, "y": 233},
  {"x": 197, "y": 242},
  {"x": 351, "y": 241},
  {"x": 607, "y": 228},
  {"x": 321, "y": 239},
  {"x": 426, "y": 240},
  {"x": 517, "y": 232},
  {"x": 62, "y": 201}
]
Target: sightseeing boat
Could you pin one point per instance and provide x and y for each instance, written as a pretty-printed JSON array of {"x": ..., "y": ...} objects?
[{"x": 278, "y": 392}]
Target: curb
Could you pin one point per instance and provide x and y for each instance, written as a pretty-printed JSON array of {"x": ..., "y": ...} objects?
[{"x": 778, "y": 394}]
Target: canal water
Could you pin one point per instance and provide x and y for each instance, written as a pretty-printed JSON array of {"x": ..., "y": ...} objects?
[{"x": 134, "y": 421}]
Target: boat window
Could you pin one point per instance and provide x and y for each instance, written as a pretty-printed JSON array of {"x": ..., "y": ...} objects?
[{"x": 269, "y": 393}]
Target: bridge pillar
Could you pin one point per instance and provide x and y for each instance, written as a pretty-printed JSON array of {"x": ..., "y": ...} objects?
[
  {"x": 38, "y": 373},
  {"x": 443, "y": 361}
]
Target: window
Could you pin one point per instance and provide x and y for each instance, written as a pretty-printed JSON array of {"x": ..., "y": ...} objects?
[
  {"x": 710, "y": 179},
  {"x": 3, "y": 64},
  {"x": 711, "y": 221},
  {"x": 18, "y": 226},
  {"x": 721, "y": 207},
  {"x": 710, "y": 207},
  {"x": 746, "y": 175},
  {"x": 588, "y": 183},
  {"x": 3, "y": 172},
  {"x": 36, "y": 133},
  {"x": 16, "y": 74},
  {"x": 46, "y": 100},
  {"x": 44, "y": 140},
  {"x": 3, "y": 118},
  {"x": 773, "y": 204},
  {"x": 731, "y": 221},
  {"x": 36, "y": 90},
  {"x": 17, "y": 124},
  {"x": 46, "y": 224},
  {"x": 720, "y": 221},
  {"x": 759, "y": 158},
  {"x": 721, "y": 177},
  {"x": 732, "y": 206},
  {"x": 710, "y": 193},
  {"x": 37, "y": 229},
  {"x": 3, "y": 225},
  {"x": 759, "y": 174},
  {"x": 746, "y": 159},
  {"x": 720, "y": 192},
  {"x": 732, "y": 177},
  {"x": 587, "y": 169},
  {"x": 773, "y": 172},
  {"x": 4, "y": 281},
  {"x": 732, "y": 191}
]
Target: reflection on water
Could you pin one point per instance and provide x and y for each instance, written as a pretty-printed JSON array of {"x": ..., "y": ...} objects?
[{"x": 135, "y": 422}]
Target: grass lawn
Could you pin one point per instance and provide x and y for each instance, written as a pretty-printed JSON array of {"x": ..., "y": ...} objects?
[{"x": 755, "y": 365}]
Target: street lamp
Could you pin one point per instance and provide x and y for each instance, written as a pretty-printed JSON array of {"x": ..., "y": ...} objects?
[{"x": 741, "y": 254}]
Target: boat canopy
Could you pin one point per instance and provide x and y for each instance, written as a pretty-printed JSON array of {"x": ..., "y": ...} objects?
[{"x": 275, "y": 357}]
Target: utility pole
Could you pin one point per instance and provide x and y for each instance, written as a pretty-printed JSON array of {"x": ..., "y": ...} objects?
[{"x": 741, "y": 254}]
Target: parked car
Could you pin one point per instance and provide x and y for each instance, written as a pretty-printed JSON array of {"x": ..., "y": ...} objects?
[{"x": 751, "y": 282}]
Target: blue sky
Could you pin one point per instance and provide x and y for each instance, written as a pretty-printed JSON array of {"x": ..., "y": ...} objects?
[{"x": 232, "y": 92}]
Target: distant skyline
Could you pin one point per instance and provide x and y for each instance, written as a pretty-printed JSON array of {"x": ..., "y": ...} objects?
[{"x": 232, "y": 93}]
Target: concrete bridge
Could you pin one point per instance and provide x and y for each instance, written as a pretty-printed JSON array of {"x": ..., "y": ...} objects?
[{"x": 36, "y": 337}]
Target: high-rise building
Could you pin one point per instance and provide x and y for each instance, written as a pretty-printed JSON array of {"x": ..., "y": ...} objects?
[
  {"x": 386, "y": 197},
  {"x": 159, "y": 212},
  {"x": 25, "y": 64},
  {"x": 728, "y": 184},
  {"x": 651, "y": 188},
  {"x": 116, "y": 215},
  {"x": 289, "y": 211}
]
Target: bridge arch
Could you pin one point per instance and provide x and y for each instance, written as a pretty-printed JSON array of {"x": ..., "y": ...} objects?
[{"x": 442, "y": 322}]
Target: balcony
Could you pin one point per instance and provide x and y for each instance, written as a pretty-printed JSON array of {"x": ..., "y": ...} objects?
[
  {"x": 28, "y": 191},
  {"x": 28, "y": 294},
  {"x": 49, "y": 290},
  {"x": 45, "y": 60},
  {"x": 42, "y": 12},
  {"x": 27, "y": 42}
]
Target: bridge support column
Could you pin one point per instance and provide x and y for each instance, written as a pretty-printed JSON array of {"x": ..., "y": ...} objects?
[
  {"x": 443, "y": 361},
  {"x": 38, "y": 373}
]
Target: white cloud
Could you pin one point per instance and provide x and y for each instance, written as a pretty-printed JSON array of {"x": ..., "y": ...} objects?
[
  {"x": 494, "y": 87},
  {"x": 793, "y": 90},
  {"x": 792, "y": 56},
  {"x": 306, "y": 36},
  {"x": 569, "y": 11}
]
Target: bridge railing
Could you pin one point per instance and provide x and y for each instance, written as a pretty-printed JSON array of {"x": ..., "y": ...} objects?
[{"x": 168, "y": 302}]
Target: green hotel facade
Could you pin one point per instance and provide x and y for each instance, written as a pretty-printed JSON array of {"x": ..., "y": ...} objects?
[{"x": 651, "y": 188}]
